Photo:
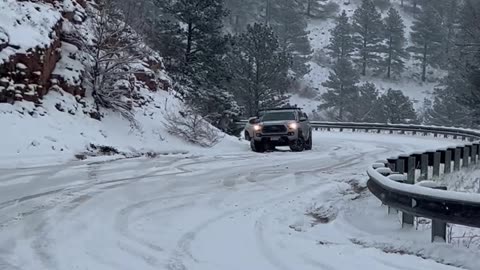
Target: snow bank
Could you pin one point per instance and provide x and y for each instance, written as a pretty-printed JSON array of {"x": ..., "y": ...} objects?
[{"x": 62, "y": 127}]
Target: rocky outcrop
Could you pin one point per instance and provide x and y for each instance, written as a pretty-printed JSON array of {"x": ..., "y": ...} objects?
[{"x": 29, "y": 70}]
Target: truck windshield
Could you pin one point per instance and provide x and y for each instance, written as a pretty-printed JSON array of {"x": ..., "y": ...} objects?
[{"x": 278, "y": 116}]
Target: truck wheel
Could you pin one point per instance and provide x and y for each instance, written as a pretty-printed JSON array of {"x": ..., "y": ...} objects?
[
  {"x": 298, "y": 145},
  {"x": 247, "y": 136},
  {"x": 309, "y": 143},
  {"x": 258, "y": 147}
]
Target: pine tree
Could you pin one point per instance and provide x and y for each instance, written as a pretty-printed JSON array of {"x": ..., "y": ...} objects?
[
  {"x": 199, "y": 69},
  {"x": 259, "y": 69},
  {"x": 382, "y": 4},
  {"x": 242, "y": 12},
  {"x": 202, "y": 25},
  {"x": 427, "y": 38},
  {"x": 367, "y": 106},
  {"x": 397, "y": 108},
  {"x": 342, "y": 91},
  {"x": 395, "y": 48},
  {"x": 289, "y": 24},
  {"x": 341, "y": 42},
  {"x": 447, "y": 111},
  {"x": 368, "y": 29}
]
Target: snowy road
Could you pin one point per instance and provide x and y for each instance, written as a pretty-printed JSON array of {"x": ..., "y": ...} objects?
[{"x": 235, "y": 211}]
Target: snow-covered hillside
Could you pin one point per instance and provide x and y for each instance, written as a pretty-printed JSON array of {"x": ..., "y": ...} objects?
[
  {"x": 58, "y": 130},
  {"x": 319, "y": 36},
  {"x": 49, "y": 116}
]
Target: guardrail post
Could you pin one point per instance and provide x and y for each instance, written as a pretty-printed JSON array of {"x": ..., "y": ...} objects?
[
  {"x": 400, "y": 165},
  {"x": 392, "y": 162},
  {"x": 439, "y": 228},
  {"x": 466, "y": 156},
  {"x": 474, "y": 153},
  {"x": 424, "y": 167},
  {"x": 407, "y": 218},
  {"x": 436, "y": 163},
  {"x": 448, "y": 161},
  {"x": 456, "y": 159},
  {"x": 411, "y": 170}
]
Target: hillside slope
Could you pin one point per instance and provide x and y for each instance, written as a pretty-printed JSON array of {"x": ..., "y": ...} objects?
[
  {"x": 48, "y": 112},
  {"x": 410, "y": 84}
]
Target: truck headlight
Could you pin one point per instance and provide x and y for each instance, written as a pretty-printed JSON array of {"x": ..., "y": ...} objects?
[
  {"x": 293, "y": 126},
  {"x": 257, "y": 127}
]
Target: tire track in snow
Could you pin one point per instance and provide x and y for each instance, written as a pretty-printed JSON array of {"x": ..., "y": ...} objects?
[{"x": 183, "y": 245}]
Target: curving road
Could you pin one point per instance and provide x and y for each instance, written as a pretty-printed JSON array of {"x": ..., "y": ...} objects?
[{"x": 236, "y": 211}]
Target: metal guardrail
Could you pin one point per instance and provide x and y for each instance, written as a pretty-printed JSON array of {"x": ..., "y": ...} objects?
[{"x": 402, "y": 182}]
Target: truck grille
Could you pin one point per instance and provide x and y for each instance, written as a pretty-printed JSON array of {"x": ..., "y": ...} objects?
[{"x": 274, "y": 129}]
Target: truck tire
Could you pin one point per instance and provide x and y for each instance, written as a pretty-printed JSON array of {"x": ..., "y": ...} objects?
[
  {"x": 258, "y": 147},
  {"x": 298, "y": 145},
  {"x": 247, "y": 136},
  {"x": 309, "y": 143}
]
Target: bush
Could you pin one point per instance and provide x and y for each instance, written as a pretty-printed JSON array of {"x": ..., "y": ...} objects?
[
  {"x": 321, "y": 58},
  {"x": 331, "y": 9},
  {"x": 308, "y": 92},
  {"x": 191, "y": 127}
]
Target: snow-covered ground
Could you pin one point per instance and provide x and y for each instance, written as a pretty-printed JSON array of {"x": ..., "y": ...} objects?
[
  {"x": 60, "y": 129},
  {"x": 217, "y": 210}
]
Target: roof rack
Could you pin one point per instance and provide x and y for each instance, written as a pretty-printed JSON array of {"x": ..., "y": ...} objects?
[{"x": 280, "y": 109}]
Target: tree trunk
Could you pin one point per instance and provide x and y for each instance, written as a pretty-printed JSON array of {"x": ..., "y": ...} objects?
[
  {"x": 189, "y": 43},
  {"x": 424, "y": 63},
  {"x": 389, "y": 63},
  {"x": 364, "y": 69},
  {"x": 267, "y": 11},
  {"x": 401, "y": 3},
  {"x": 309, "y": 8},
  {"x": 340, "y": 110}
]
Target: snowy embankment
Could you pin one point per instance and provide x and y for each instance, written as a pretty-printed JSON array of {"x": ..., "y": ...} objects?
[
  {"x": 41, "y": 62},
  {"x": 243, "y": 210},
  {"x": 58, "y": 130}
]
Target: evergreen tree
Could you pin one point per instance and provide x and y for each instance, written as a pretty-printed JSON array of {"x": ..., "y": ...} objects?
[
  {"x": 259, "y": 69},
  {"x": 368, "y": 29},
  {"x": 199, "y": 69},
  {"x": 342, "y": 91},
  {"x": 242, "y": 12},
  {"x": 427, "y": 38},
  {"x": 395, "y": 48},
  {"x": 447, "y": 111},
  {"x": 289, "y": 24},
  {"x": 448, "y": 13},
  {"x": 367, "y": 106},
  {"x": 382, "y": 4},
  {"x": 397, "y": 108},
  {"x": 341, "y": 42}
]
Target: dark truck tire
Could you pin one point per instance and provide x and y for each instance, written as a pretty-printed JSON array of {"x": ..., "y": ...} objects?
[
  {"x": 298, "y": 145},
  {"x": 309, "y": 143},
  {"x": 258, "y": 147},
  {"x": 247, "y": 136}
]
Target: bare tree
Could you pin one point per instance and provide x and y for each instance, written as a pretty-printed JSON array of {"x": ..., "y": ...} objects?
[
  {"x": 191, "y": 127},
  {"x": 111, "y": 51}
]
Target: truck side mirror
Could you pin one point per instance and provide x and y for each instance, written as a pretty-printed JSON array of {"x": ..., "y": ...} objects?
[{"x": 252, "y": 120}]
